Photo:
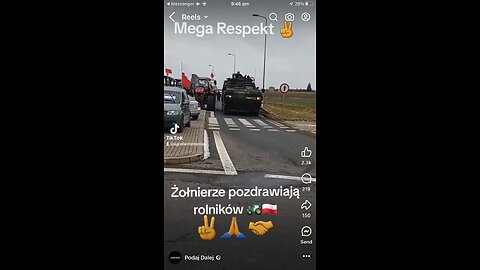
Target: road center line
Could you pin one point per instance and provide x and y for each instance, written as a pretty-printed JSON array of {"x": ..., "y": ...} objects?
[{"x": 224, "y": 157}]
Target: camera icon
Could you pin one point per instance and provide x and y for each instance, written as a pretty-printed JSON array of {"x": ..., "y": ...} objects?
[{"x": 289, "y": 17}]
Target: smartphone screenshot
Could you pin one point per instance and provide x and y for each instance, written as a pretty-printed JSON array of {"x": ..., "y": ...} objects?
[{"x": 240, "y": 134}]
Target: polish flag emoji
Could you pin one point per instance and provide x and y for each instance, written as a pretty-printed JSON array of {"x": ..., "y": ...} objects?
[{"x": 269, "y": 209}]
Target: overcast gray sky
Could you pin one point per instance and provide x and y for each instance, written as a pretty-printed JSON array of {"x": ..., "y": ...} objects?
[{"x": 289, "y": 60}]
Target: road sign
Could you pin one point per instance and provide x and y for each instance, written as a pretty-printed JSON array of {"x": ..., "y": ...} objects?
[{"x": 284, "y": 88}]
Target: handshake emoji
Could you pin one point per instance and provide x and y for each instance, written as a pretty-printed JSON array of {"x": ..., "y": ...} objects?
[{"x": 260, "y": 228}]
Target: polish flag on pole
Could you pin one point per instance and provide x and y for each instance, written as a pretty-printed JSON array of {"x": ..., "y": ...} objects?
[
  {"x": 269, "y": 209},
  {"x": 168, "y": 71}
]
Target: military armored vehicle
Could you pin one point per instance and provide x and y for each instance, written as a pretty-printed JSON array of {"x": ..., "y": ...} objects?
[{"x": 241, "y": 95}]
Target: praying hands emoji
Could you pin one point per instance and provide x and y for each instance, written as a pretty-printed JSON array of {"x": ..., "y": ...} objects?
[
  {"x": 233, "y": 230},
  {"x": 260, "y": 228}
]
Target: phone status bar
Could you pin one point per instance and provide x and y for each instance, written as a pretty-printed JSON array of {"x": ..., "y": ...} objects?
[{"x": 302, "y": 4}]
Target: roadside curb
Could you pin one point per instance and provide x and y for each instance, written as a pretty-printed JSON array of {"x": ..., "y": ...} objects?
[
  {"x": 182, "y": 160},
  {"x": 193, "y": 135}
]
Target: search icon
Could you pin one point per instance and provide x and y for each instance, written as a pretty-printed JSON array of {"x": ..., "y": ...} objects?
[{"x": 273, "y": 16}]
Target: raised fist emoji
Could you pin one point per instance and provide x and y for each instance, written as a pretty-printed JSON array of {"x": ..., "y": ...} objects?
[
  {"x": 286, "y": 31},
  {"x": 207, "y": 232},
  {"x": 306, "y": 152},
  {"x": 260, "y": 227}
]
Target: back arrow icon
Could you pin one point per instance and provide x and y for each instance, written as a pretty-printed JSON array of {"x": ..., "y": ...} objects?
[{"x": 171, "y": 16}]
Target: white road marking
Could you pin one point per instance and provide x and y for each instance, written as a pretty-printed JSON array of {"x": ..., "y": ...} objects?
[
  {"x": 284, "y": 127},
  {"x": 214, "y": 128},
  {"x": 254, "y": 129},
  {"x": 273, "y": 130},
  {"x": 277, "y": 124},
  {"x": 287, "y": 177},
  {"x": 234, "y": 129},
  {"x": 206, "y": 149},
  {"x": 229, "y": 121},
  {"x": 246, "y": 123},
  {"x": 224, "y": 157},
  {"x": 212, "y": 114},
  {"x": 177, "y": 170},
  {"x": 291, "y": 130},
  {"x": 260, "y": 122},
  {"x": 267, "y": 127}
]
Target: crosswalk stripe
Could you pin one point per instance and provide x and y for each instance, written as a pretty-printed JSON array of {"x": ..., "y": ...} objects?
[
  {"x": 260, "y": 122},
  {"x": 254, "y": 129},
  {"x": 291, "y": 130},
  {"x": 234, "y": 129},
  {"x": 276, "y": 124},
  {"x": 245, "y": 122},
  {"x": 273, "y": 130},
  {"x": 229, "y": 121}
]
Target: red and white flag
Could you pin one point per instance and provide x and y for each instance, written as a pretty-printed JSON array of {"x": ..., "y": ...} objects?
[
  {"x": 269, "y": 209},
  {"x": 168, "y": 71}
]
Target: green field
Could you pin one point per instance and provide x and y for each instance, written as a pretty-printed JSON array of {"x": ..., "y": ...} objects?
[{"x": 299, "y": 106}]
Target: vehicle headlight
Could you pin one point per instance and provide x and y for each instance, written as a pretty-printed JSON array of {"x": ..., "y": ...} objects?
[
  {"x": 228, "y": 96},
  {"x": 172, "y": 113}
]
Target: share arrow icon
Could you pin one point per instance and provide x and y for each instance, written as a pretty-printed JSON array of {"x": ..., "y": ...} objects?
[{"x": 306, "y": 205}]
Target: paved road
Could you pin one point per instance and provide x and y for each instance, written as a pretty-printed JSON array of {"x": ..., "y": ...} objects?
[{"x": 245, "y": 152}]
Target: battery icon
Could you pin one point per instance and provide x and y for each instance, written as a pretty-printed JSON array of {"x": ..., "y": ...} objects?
[{"x": 309, "y": 3}]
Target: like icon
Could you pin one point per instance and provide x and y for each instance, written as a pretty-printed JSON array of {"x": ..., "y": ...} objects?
[{"x": 306, "y": 152}]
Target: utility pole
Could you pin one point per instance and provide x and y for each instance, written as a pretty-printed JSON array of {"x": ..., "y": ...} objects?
[{"x": 264, "y": 49}]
